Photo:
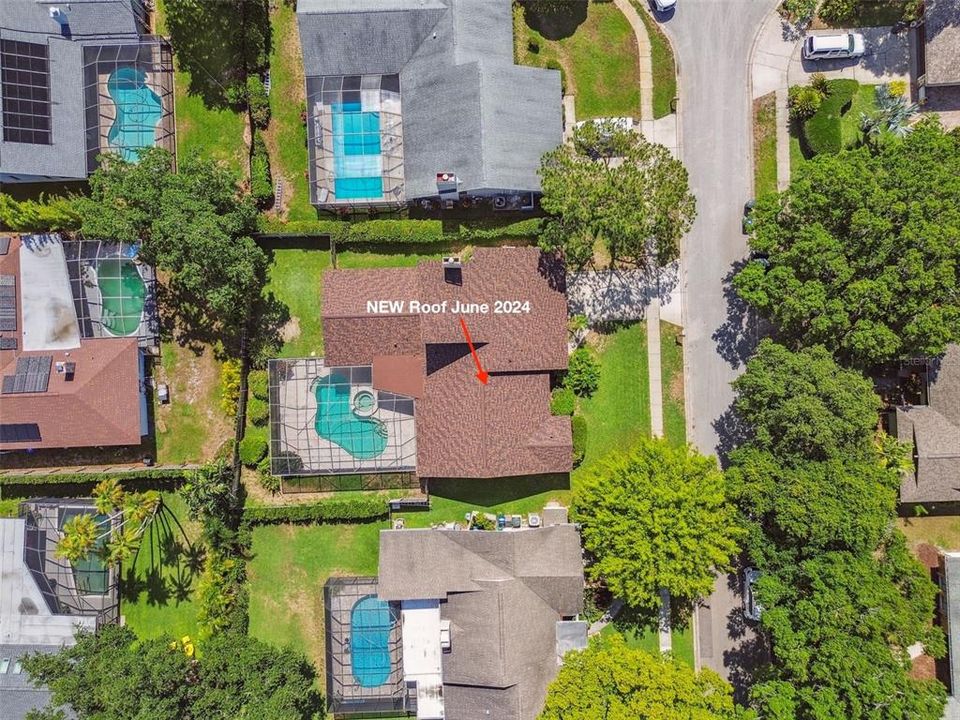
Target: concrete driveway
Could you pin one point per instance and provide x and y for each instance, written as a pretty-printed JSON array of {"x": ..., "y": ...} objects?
[
  {"x": 887, "y": 58},
  {"x": 712, "y": 40}
]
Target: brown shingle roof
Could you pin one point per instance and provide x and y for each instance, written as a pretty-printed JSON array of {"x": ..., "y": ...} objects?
[
  {"x": 465, "y": 429},
  {"x": 100, "y": 406}
]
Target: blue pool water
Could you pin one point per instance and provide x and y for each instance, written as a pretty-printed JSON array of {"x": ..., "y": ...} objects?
[
  {"x": 357, "y": 164},
  {"x": 138, "y": 112},
  {"x": 361, "y": 437},
  {"x": 370, "y": 625}
]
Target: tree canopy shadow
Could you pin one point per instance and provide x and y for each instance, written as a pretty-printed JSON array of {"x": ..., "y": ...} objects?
[
  {"x": 736, "y": 338},
  {"x": 488, "y": 492},
  {"x": 555, "y": 19}
]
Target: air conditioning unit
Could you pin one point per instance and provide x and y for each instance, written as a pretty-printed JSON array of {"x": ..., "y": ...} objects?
[{"x": 499, "y": 202}]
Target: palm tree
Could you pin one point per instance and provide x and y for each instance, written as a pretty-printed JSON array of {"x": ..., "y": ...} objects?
[
  {"x": 78, "y": 538},
  {"x": 108, "y": 496},
  {"x": 139, "y": 507},
  {"x": 122, "y": 546}
]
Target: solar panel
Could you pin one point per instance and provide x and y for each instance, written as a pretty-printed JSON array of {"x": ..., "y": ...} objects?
[
  {"x": 32, "y": 375},
  {"x": 4, "y": 245},
  {"x": 7, "y": 384},
  {"x": 8, "y": 324},
  {"x": 25, "y": 78},
  {"x": 8, "y": 343},
  {"x": 19, "y": 432}
]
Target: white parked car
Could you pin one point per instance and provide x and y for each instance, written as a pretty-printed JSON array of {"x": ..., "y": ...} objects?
[
  {"x": 829, "y": 47},
  {"x": 664, "y": 5}
]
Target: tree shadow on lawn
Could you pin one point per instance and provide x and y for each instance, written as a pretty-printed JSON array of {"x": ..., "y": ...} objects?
[
  {"x": 497, "y": 491},
  {"x": 555, "y": 19},
  {"x": 172, "y": 563}
]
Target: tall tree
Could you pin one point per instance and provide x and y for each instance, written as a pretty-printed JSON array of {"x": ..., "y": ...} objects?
[
  {"x": 839, "y": 626},
  {"x": 611, "y": 680},
  {"x": 862, "y": 250},
  {"x": 113, "y": 676},
  {"x": 614, "y": 186},
  {"x": 803, "y": 405},
  {"x": 657, "y": 517}
]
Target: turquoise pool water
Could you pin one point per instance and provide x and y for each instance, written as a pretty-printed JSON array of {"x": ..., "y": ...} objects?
[
  {"x": 370, "y": 625},
  {"x": 138, "y": 112},
  {"x": 361, "y": 437},
  {"x": 357, "y": 164}
]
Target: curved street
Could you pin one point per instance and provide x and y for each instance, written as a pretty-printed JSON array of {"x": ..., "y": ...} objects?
[{"x": 712, "y": 40}]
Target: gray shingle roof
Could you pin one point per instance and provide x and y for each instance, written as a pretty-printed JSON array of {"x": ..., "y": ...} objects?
[
  {"x": 504, "y": 593},
  {"x": 91, "y": 22},
  {"x": 466, "y": 107},
  {"x": 942, "y": 52},
  {"x": 18, "y": 695},
  {"x": 934, "y": 432}
]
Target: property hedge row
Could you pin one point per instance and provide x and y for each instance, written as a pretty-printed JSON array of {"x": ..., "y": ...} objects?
[
  {"x": 261, "y": 181},
  {"x": 824, "y": 132},
  {"x": 357, "y": 509},
  {"x": 43, "y": 215},
  {"x": 90, "y": 477},
  {"x": 399, "y": 232}
]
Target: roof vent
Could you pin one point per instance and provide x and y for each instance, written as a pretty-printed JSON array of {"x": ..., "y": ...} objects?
[
  {"x": 67, "y": 369},
  {"x": 452, "y": 271}
]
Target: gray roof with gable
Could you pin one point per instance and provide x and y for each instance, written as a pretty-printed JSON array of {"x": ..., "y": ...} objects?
[
  {"x": 18, "y": 695},
  {"x": 934, "y": 431},
  {"x": 466, "y": 107},
  {"x": 504, "y": 593},
  {"x": 92, "y": 22}
]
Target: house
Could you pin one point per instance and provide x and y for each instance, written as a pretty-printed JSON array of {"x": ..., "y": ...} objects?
[
  {"x": 415, "y": 99},
  {"x": 44, "y": 600},
  {"x": 466, "y": 625},
  {"x": 938, "y": 57},
  {"x": 76, "y": 321},
  {"x": 932, "y": 429},
  {"x": 79, "y": 79},
  {"x": 397, "y": 390}
]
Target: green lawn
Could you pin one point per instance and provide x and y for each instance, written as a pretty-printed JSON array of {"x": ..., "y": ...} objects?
[
  {"x": 596, "y": 47},
  {"x": 664, "y": 66},
  {"x": 157, "y": 591},
  {"x": 287, "y": 134},
  {"x": 940, "y": 530},
  {"x": 290, "y": 565},
  {"x": 765, "y": 144},
  {"x": 296, "y": 278},
  {"x": 618, "y": 413},
  {"x": 648, "y": 639},
  {"x": 203, "y": 131},
  {"x": 863, "y": 101},
  {"x": 671, "y": 358}
]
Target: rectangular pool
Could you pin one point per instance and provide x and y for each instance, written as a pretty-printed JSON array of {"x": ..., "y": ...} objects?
[{"x": 357, "y": 162}]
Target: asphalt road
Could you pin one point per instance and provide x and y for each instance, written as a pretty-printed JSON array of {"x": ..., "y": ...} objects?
[{"x": 712, "y": 40}]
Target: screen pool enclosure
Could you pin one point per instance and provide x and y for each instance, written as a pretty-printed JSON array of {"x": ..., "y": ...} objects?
[
  {"x": 331, "y": 421},
  {"x": 128, "y": 98},
  {"x": 355, "y": 140},
  {"x": 114, "y": 294},
  {"x": 364, "y": 655}
]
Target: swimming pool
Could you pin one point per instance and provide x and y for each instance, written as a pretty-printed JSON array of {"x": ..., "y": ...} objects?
[
  {"x": 357, "y": 163},
  {"x": 360, "y": 436},
  {"x": 91, "y": 575},
  {"x": 138, "y": 112},
  {"x": 122, "y": 293},
  {"x": 371, "y": 621}
]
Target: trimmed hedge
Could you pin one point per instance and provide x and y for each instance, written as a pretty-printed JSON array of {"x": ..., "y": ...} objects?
[
  {"x": 258, "y": 101},
  {"x": 356, "y": 509},
  {"x": 579, "y": 428},
  {"x": 252, "y": 450},
  {"x": 563, "y": 401},
  {"x": 399, "y": 232},
  {"x": 258, "y": 411},
  {"x": 261, "y": 181},
  {"x": 90, "y": 477},
  {"x": 823, "y": 132},
  {"x": 257, "y": 383}
]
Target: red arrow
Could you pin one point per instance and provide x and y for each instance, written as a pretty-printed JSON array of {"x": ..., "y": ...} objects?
[{"x": 482, "y": 375}]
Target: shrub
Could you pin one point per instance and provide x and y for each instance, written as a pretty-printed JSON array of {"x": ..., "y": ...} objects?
[
  {"x": 563, "y": 401},
  {"x": 252, "y": 450},
  {"x": 533, "y": 46},
  {"x": 819, "y": 82},
  {"x": 261, "y": 182},
  {"x": 823, "y": 132},
  {"x": 583, "y": 373},
  {"x": 897, "y": 87},
  {"x": 229, "y": 386},
  {"x": 257, "y": 382},
  {"x": 804, "y": 101},
  {"x": 268, "y": 481},
  {"x": 400, "y": 232},
  {"x": 43, "y": 215},
  {"x": 799, "y": 10},
  {"x": 258, "y": 411},
  {"x": 579, "y": 429},
  {"x": 258, "y": 102},
  {"x": 481, "y": 522},
  {"x": 576, "y": 323},
  {"x": 221, "y": 595},
  {"x": 837, "y": 12},
  {"x": 555, "y": 65},
  {"x": 364, "y": 508}
]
